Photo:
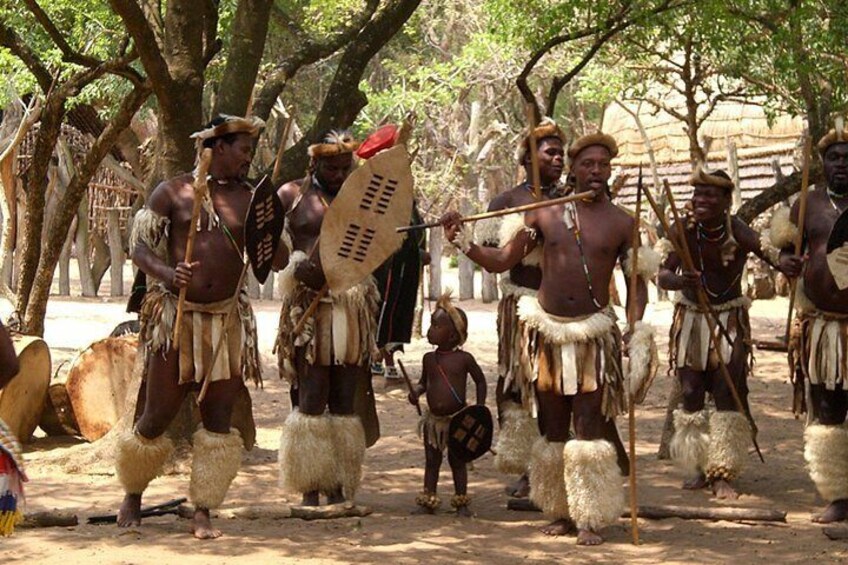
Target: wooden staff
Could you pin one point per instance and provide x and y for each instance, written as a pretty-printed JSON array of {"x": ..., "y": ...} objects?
[
  {"x": 799, "y": 238},
  {"x": 535, "y": 177},
  {"x": 682, "y": 249},
  {"x": 585, "y": 195},
  {"x": 218, "y": 346},
  {"x": 201, "y": 190},
  {"x": 632, "y": 319},
  {"x": 408, "y": 384}
]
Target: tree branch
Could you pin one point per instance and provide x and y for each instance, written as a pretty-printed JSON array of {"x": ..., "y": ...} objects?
[
  {"x": 10, "y": 39},
  {"x": 145, "y": 43},
  {"x": 69, "y": 54}
]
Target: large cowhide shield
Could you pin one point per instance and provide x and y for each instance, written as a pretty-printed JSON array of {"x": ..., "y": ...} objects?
[
  {"x": 470, "y": 433},
  {"x": 358, "y": 231},
  {"x": 837, "y": 251},
  {"x": 263, "y": 228}
]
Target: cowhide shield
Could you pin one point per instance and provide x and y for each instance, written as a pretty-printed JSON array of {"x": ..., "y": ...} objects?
[
  {"x": 837, "y": 251},
  {"x": 470, "y": 433},
  {"x": 263, "y": 228},
  {"x": 358, "y": 230}
]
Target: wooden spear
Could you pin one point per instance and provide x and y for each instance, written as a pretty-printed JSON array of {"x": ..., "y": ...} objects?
[
  {"x": 632, "y": 316},
  {"x": 408, "y": 383},
  {"x": 682, "y": 251},
  {"x": 799, "y": 238},
  {"x": 200, "y": 191},
  {"x": 586, "y": 195}
]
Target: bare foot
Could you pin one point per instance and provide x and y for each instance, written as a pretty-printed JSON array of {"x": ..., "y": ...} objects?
[
  {"x": 201, "y": 525},
  {"x": 562, "y": 527},
  {"x": 130, "y": 512},
  {"x": 520, "y": 488},
  {"x": 422, "y": 510},
  {"x": 836, "y": 511},
  {"x": 310, "y": 498},
  {"x": 464, "y": 512},
  {"x": 335, "y": 497},
  {"x": 696, "y": 483},
  {"x": 724, "y": 491},
  {"x": 588, "y": 537}
]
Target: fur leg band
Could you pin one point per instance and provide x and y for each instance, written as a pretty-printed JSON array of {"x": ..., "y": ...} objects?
[
  {"x": 215, "y": 461},
  {"x": 593, "y": 482},
  {"x": 690, "y": 442},
  {"x": 730, "y": 436},
  {"x": 139, "y": 460},
  {"x": 547, "y": 488},
  {"x": 515, "y": 442},
  {"x": 428, "y": 500},
  {"x": 826, "y": 453},
  {"x": 644, "y": 361},
  {"x": 307, "y": 454},
  {"x": 460, "y": 500},
  {"x": 349, "y": 438}
]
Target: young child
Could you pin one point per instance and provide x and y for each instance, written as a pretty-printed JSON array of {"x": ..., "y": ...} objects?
[{"x": 443, "y": 377}]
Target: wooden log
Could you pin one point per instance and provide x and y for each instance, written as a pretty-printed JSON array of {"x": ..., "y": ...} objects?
[
  {"x": 58, "y": 417},
  {"x": 726, "y": 513},
  {"x": 22, "y": 401},
  {"x": 329, "y": 512},
  {"x": 50, "y": 519},
  {"x": 98, "y": 381}
]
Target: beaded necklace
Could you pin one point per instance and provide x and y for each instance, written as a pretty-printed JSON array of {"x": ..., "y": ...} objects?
[
  {"x": 571, "y": 210},
  {"x": 698, "y": 236},
  {"x": 830, "y": 197}
]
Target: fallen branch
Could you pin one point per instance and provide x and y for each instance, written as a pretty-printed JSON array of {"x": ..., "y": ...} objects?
[
  {"x": 49, "y": 519},
  {"x": 663, "y": 512}
]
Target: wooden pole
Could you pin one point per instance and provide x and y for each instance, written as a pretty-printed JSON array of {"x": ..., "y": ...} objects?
[
  {"x": 585, "y": 195},
  {"x": 712, "y": 320},
  {"x": 532, "y": 148},
  {"x": 632, "y": 316},
  {"x": 200, "y": 191},
  {"x": 799, "y": 238}
]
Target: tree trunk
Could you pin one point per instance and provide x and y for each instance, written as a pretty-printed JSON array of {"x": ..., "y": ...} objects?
[
  {"x": 489, "y": 291},
  {"x": 435, "y": 283},
  {"x": 100, "y": 262},
  {"x": 466, "y": 266},
  {"x": 116, "y": 249},
  {"x": 247, "y": 43},
  {"x": 83, "y": 252}
]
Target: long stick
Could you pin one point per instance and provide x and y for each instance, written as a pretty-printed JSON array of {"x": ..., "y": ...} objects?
[
  {"x": 534, "y": 158},
  {"x": 632, "y": 318},
  {"x": 200, "y": 191},
  {"x": 408, "y": 383},
  {"x": 219, "y": 346},
  {"x": 799, "y": 239},
  {"x": 586, "y": 195},
  {"x": 712, "y": 319}
]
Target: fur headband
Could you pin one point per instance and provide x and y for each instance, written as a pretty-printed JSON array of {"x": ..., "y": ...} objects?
[
  {"x": 459, "y": 323},
  {"x": 599, "y": 138},
  {"x": 334, "y": 143},
  {"x": 837, "y": 135},
  {"x": 231, "y": 124},
  {"x": 704, "y": 177},
  {"x": 546, "y": 128}
]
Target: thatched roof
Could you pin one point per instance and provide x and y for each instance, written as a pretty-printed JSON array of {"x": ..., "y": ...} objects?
[{"x": 745, "y": 125}]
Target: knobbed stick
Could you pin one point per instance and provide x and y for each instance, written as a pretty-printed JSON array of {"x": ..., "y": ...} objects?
[
  {"x": 200, "y": 192},
  {"x": 585, "y": 195},
  {"x": 706, "y": 308},
  {"x": 799, "y": 238},
  {"x": 408, "y": 384},
  {"x": 632, "y": 319},
  {"x": 729, "y": 514},
  {"x": 534, "y": 158}
]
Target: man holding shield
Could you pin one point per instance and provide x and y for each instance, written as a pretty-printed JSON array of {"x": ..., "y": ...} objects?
[
  {"x": 570, "y": 339},
  {"x": 210, "y": 280},
  {"x": 817, "y": 348},
  {"x": 327, "y": 363}
]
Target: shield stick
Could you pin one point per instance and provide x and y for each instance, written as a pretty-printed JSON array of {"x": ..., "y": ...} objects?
[
  {"x": 799, "y": 238},
  {"x": 632, "y": 319}
]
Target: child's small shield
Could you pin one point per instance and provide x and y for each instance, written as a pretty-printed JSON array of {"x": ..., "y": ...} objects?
[
  {"x": 263, "y": 228},
  {"x": 470, "y": 433}
]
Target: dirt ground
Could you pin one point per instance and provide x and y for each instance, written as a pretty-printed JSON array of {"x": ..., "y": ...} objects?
[{"x": 393, "y": 475}]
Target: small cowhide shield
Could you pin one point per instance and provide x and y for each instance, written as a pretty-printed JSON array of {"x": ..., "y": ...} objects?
[
  {"x": 837, "y": 251},
  {"x": 470, "y": 433},
  {"x": 263, "y": 228},
  {"x": 358, "y": 232}
]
